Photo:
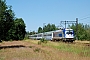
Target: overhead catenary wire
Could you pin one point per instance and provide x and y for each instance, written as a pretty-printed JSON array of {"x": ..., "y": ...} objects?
[{"x": 84, "y": 18}]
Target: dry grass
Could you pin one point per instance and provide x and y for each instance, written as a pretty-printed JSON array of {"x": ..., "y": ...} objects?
[
  {"x": 33, "y": 51},
  {"x": 82, "y": 41}
]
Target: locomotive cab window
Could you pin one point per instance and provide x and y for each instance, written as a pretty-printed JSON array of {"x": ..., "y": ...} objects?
[{"x": 69, "y": 32}]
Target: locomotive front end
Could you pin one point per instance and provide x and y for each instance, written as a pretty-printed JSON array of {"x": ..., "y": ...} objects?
[{"x": 68, "y": 35}]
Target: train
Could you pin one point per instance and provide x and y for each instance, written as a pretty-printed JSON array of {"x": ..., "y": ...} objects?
[{"x": 65, "y": 35}]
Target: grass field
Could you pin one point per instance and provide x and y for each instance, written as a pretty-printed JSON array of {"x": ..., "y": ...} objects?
[
  {"x": 78, "y": 48},
  {"x": 30, "y": 50}
]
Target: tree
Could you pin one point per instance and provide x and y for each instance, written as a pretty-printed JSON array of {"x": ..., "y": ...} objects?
[
  {"x": 40, "y": 30},
  {"x": 19, "y": 29},
  {"x": 10, "y": 28},
  {"x": 83, "y": 31},
  {"x": 27, "y": 33},
  {"x": 8, "y": 23},
  {"x": 53, "y": 27},
  {"x": 3, "y": 7},
  {"x": 30, "y": 33},
  {"x": 33, "y": 32},
  {"x": 47, "y": 28},
  {"x": 6, "y": 20}
]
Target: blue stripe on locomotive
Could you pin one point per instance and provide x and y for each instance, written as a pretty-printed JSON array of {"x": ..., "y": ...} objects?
[
  {"x": 73, "y": 33},
  {"x": 64, "y": 32},
  {"x": 60, "y": 35}
]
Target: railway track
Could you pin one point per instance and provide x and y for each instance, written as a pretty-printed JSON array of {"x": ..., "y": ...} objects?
[
  {"x": 86, "y": 43},
  {"x": 83, "y": 43}
]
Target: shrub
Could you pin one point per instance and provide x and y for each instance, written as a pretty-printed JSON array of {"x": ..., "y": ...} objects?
[
  {"x": 39, "y": 42},
  {"x": 34, "y": 38},
  {"x": 43, "y": 40}
]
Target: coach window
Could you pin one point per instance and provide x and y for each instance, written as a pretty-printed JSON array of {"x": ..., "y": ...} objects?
[
  {"x": 35, "y": 35},
  {"x": 39, "y": 35},
  {"x": 49, "y": 34},
  {"x": 45, "y": 35}
]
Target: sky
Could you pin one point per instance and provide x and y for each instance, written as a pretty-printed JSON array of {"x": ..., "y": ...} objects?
[{"x": 35, "y": 13}]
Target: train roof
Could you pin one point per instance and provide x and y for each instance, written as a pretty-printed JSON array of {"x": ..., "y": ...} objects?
[
  {"x": 51, "y": 32},
  {"x": 68, "y": 29}
]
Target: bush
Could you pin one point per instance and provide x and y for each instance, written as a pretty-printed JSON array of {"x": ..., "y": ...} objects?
[
  {"x": 35, "y": 39},
  {"x": 39, "y": 42},
  {"x": 42, "y": 41}
]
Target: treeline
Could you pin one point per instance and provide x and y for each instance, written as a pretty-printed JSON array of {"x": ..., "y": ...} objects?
[
  {"x": 11, "y": 28},
  {"x": 83, "y": 32},
  {"x": 46, "y": 28}
]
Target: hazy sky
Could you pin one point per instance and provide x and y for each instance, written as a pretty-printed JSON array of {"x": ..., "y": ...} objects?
[{"x": 37, "y": 12}]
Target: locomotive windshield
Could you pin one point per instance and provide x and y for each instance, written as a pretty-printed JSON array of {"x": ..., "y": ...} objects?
[{"x": 69, "y": 32}]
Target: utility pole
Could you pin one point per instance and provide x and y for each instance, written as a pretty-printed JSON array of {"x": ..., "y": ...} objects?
[
  {"x": 72, "y": 22},
  {"x": 65, "y": 24},
  {"x": 43, "y": 29},
  {"x": 76, "y": 28}
]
